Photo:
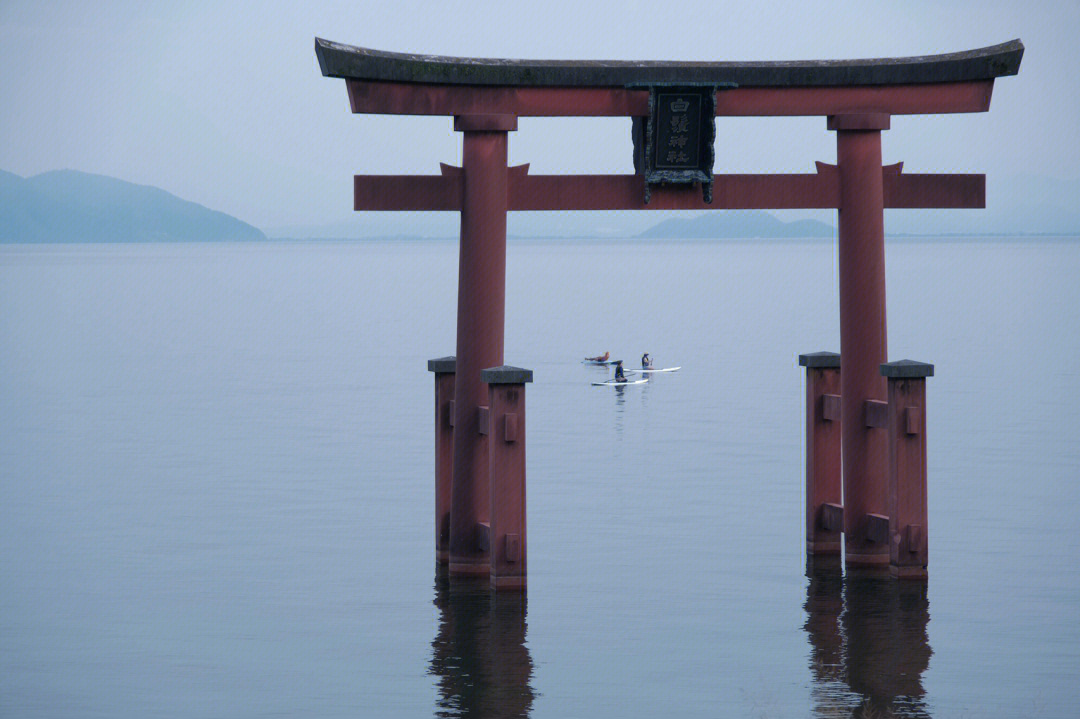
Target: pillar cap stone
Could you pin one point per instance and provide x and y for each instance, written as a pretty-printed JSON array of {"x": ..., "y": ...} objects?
[
  {"x": 859, "y": 121},
  {"x": 907, "y": 369},
  {"x": 485, "y": 123},
  {"x": 442, "y": 365},
  {"x": 506, "y": 375},
  {"x": 820, "y": 360}
]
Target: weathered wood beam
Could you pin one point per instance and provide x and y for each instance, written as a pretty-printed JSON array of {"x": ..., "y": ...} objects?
[
  {"x": 526, "y": 192},
  {"x": 627, "y": 192},
  {"x": 399, "y": 98},
  {"x": 409, "y": 192}
]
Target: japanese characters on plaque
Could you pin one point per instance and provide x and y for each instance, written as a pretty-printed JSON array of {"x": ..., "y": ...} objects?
[
  {"x": 678, "y": 138},
  {"x": 678, "y": 131}
]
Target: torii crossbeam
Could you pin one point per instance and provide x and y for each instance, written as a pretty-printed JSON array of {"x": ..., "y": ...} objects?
[{"x": 487, "y": 96}]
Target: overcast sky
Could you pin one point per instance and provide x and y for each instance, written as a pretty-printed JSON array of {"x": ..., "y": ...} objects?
[{"x": 223, "y": 103}]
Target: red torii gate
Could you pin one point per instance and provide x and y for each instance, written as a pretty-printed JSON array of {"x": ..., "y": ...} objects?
[{"x": 480, "y": 420}]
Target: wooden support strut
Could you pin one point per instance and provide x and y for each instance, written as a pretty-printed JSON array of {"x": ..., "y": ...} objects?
[
  {"x": 903, "y": 528},
  {"x": 907, "y": 502},
  {"x": 824, "y": 497},
  {"x": 507, "y": 548},
  {"x": 444, "y": 369}
]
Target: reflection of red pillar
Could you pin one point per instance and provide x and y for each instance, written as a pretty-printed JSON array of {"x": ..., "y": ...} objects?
[
  {"x": 886, "y": 647},
  {"x": 907, "y": 467},
  {"x": 824, "y": 607},
  {"x": 480, "y": 325},
  {"x": 479, "y": 656},
  {"x": 443, "y": 368},
  {"x": 861, "y": 229},
  {"x": 506, "y": 452},
  {"x": 824, "y": 498}
]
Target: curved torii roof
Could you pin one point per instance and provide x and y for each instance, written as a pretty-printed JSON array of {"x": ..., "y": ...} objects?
[{"x": 357, "y": 63}]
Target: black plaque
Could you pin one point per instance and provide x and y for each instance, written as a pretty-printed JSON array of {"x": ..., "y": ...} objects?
[
  {"x": 678, "y": 131},
  {"x": 677, "y": 146}
]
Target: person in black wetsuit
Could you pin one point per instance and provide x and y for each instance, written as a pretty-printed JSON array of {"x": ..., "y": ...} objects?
[{"x": 620, "y": 376}]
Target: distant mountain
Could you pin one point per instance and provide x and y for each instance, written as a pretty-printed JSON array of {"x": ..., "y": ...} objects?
[
  {"x": 742, "y": 224},
  {"x": 70, "y": 206}
]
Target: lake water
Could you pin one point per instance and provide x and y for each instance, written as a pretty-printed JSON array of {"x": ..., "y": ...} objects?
[{"x": 216, "y": 465}]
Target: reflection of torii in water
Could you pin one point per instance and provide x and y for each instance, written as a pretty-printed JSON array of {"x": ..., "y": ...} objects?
[
  {"x": 869, "y": 646},
  {"x": 479, "y": 654}
]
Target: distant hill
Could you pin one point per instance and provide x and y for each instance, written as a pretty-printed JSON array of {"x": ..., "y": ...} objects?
[
  {"x": 70, "y": 206},
  {"x": 743, "y": 224}
]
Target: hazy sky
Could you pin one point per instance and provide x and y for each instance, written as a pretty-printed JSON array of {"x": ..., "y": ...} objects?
[{"x": 223, "y": 103}]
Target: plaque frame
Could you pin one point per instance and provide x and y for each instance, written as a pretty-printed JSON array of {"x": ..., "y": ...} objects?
[{"x": 646, "y": 134}]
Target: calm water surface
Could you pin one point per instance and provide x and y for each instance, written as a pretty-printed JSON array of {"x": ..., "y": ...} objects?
[{"x": 216, "y": 467}]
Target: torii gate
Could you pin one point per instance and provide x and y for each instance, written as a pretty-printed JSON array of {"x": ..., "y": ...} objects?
[{"x": 480, "y": 403}]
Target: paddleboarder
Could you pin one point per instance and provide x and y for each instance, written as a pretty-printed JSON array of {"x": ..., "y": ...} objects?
[
  {"x": 646, "y": 361},
  {"x": 620, "y": 376},
  {"x": 599, "y": 358}
]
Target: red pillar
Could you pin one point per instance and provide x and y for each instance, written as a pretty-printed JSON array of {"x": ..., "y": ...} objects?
[
  {"x": 444, "y": 369},
  {"x": 506, "y": 452},
  {"x": 480, "y": 325},
  {"x": 824, "y": 498},
  {"x": 907, "y": 467},
  {"x": 862, "y": 333}
]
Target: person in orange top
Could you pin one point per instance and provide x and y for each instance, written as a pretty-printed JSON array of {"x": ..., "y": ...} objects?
[{"x": 601, "y": 358}]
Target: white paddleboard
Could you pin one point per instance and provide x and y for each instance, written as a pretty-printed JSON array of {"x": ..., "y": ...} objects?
[
  {"x": 599, "y": 362},
  {"x": 653, "y": 371},
  {"x": 613, "y": 383}
]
